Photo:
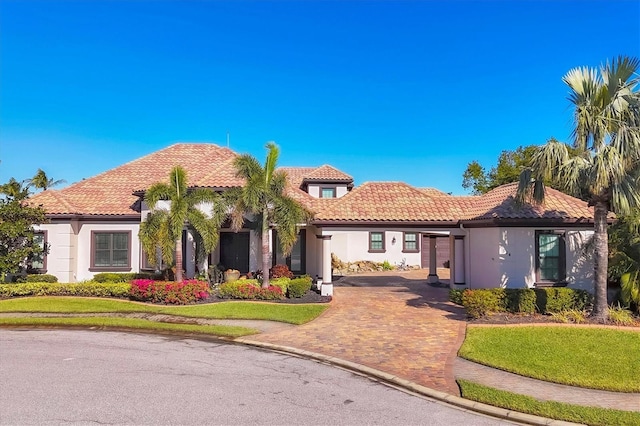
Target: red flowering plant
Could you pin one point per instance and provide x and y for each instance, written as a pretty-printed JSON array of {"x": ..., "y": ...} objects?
[{"x": 179, "y": 293}]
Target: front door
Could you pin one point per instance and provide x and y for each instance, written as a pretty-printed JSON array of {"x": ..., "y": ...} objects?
[{"x": 234, "y": 250}]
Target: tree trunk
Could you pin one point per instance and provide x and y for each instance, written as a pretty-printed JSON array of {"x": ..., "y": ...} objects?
[
  {"x": 600, "y": 239},
  {"x": 266, "y": 258},
  {"x": 178, "y": 276}
]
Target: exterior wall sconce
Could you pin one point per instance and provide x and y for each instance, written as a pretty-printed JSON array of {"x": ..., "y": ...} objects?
[{"x": 393, "y": 240}]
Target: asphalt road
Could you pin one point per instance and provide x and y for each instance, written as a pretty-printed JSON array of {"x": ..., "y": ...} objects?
[{"x": 97, "y": 377}]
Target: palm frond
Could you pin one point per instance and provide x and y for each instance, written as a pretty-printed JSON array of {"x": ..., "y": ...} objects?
[
  {"x": 271, "y": 162},
  {"x": 247, "y": 167}
]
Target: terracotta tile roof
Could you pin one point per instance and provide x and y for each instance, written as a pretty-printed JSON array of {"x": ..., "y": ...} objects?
[
  {"x": 500, "y": 203},
  {"x": 111, "y": 192},
  {"x": 389, "y": 202},
  {"x": 434, "y": 192},
  {"x": 327, "y": 173}
]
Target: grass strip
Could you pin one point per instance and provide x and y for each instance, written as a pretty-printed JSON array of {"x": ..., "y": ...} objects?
[
  {"x": 560, "y": 354},
  {"x": 131, "y": 323},
  {"x": 292, "y": 314},
  {"x": 550, "y": 409}
]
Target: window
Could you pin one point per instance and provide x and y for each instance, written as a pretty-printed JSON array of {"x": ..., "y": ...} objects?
[
  {"x": 410, "y": 244},
  {"x": 550, "y": 257},
  {"x": 111, "y": 250},
  {"x": 38, "y": 262},
  {"x": 147, "y": 266},
  {"x": 376, "y": 242},
  {"x": 328, "y": 193}
]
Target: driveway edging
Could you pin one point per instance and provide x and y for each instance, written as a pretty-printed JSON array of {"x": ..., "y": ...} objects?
[{"x": 409, "y": 386}]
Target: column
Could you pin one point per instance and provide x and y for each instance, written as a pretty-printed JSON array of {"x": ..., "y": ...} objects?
[
  {"x": 190, "y": 255},
  {"x": 327, "y": 286},
  {"x": 459, "y": 264},
  {"x": 433, "y": 267}
]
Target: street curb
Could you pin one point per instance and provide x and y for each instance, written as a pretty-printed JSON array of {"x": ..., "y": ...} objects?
[{"x": 409, "y": 386}]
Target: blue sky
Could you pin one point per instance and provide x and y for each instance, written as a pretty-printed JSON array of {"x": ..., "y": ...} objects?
[{"x": 384, "y": 90}]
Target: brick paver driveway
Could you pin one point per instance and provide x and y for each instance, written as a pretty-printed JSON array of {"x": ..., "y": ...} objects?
[{"x": 390, "y": 321}]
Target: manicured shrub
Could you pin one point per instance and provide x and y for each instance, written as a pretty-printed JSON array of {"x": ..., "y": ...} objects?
[
  {"x": 279, "y": 271},
  {"x": 550, "y": 300},
  {"x": 282, "y": 282},
  {"x": 86, "y": 289},
  {"x": 479, "y": 303},
  {"x": 247, "y": 289},
  {"x": 299, "y": 287},
  {"x": 123, "y": 277},
  {"x": 456, "y": 296},
  {"x": 521, "y": 301},
  {"x": 179, "y": 293},
  {"x": 42, "y": 278}
]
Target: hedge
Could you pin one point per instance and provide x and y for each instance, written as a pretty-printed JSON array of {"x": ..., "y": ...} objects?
[
  {"x": 86, "y": 289},
  {"x": 481, "y": 302},
  {"x": 42, "y": 278},
  {"x": 179, "y": 293},
  {"x": 249, "y": 289},
  {"x": 123, "y": 277},
  {"x": 299, "y": 287}
]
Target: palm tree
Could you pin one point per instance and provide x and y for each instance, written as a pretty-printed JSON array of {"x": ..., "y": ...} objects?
[
  {"x": 42, "y": 181},
  {"x": 263, "y": 196},
  {"x": 606, "y": 168},
  {"x": 163, "y": 227}
]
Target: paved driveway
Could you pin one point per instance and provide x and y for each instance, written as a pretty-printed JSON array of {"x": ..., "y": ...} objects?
[{"x": 390, "y": 321}]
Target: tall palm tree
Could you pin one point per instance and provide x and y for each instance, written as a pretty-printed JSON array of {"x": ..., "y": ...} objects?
[
  {"x": 263, "y": 196},
  {"x": 42, "y": 181},
  {"x": 163, "y": 227},
  {"x": 606, "y": 169}
]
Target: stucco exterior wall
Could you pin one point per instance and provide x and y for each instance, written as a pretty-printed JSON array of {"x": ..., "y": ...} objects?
[
  {"x": 314, "y": 189},
  {"x": 353, "y": 245},
  {"x": 84, "y": 246},
  {"x": 62, "y": 241},
  {"x": 505, "y": 257}
]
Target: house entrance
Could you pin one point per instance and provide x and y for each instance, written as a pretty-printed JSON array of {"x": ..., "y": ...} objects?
[{"x": 234, "y": 250}]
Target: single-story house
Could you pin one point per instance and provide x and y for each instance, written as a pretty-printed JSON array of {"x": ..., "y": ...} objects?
[{"x": 487, "y": 241}]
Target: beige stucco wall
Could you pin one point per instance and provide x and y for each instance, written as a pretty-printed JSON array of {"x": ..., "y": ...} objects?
[
  {"x": 351, "y": 245},
  {"x": 314, "y": 190},
  {"x": 505, "y": 257},
  {"x": 62, "y": 241}
]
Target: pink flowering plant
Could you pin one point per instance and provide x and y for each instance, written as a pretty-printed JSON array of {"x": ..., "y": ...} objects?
[{"x": 178, "y": 293}]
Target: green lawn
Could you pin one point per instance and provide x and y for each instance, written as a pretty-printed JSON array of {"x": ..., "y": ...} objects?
[
  {"x": 595, "y": 358},
  {"x": 132, "y": 324},
  {"x": 292, "y": 314},
  {"x": 549, "y": 409}
]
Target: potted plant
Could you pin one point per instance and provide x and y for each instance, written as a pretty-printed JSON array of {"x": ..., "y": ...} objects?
[{"x": 231, "y": 275}]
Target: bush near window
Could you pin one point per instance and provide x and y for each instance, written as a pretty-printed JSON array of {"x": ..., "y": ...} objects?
[
  {"x": 249, "y": 289},
  {"x": 87, "y": 289},
  {"x": 282, "y": 282},
  {"x": 178, "y": 293},
  {"x": 279, "y": 271},
  {"x": 122, "y": 277},
  {"x": 481, "y": 302},
  {"x": 299, "y": 287},
  {"x": 41, "y": 278}
]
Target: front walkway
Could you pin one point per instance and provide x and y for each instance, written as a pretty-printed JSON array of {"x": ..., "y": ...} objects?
[{"x": 393, "y": 322}]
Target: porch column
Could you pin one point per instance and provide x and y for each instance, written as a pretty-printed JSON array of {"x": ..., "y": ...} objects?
[
  {"x": 433, "y": 267},
  {"x": 458, "y": 265},
  {"x": 327, "y": 286},
  {"x": 190, "y": 252}
]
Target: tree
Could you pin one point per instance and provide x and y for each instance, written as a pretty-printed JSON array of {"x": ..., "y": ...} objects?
[
  {"x": 624, "y": 256},
  {"x": 41, "y": 181},
  {"x": 163, "y": 227},
  {"x": 606, "y": 167},
  {"x": 510, "y": 165},
  {"x": 17, "y": 218},
  {"x": 263, "y": 196}
]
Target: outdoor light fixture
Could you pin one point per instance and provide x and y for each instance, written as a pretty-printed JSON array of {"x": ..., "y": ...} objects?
[{"x": 393, "y": 240}]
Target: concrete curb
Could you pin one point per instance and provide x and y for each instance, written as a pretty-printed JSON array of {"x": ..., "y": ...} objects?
[{"x": 409, "y": 386}]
